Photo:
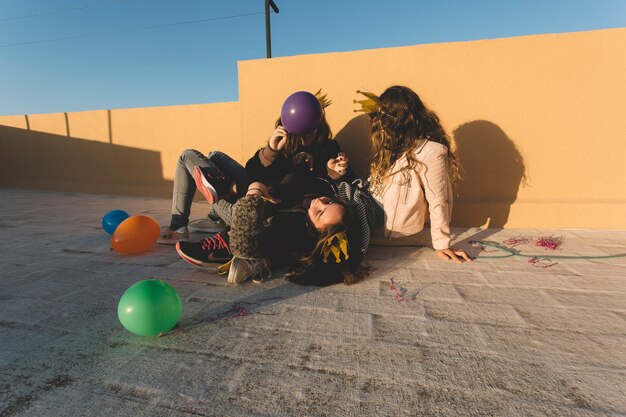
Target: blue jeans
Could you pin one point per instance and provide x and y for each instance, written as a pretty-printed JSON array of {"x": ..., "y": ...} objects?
[{"x": 185, "y": 185}]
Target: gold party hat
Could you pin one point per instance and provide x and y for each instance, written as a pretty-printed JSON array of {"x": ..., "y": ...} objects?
[
  {"x": 336, "y": 244},
  {"x": 322, "y": 99}
]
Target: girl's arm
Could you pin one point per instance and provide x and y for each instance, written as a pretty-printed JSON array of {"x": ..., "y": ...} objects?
[
  {"x": 332, "y": 158},
  {"x": 268, "y": 164},
  {"x": 261, "y": 190},
  {"x": 438, "y": 192},
  {"x": 274, "y": 147},
  {"x": 337, "y": 167}
]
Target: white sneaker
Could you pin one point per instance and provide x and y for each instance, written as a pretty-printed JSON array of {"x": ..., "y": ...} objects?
[
  {"x": 241, "y": 270},
  {"x": 206, "y": 225}
]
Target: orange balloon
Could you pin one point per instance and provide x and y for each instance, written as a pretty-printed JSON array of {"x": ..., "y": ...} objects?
[{"x": 135, "y": 235}]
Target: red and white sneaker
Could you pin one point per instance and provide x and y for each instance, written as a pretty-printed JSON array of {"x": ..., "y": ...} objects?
[{"x": 208, "y": 184}]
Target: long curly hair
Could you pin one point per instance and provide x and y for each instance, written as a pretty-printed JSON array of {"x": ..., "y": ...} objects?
[
  {"x": 403, "y": 124},
  {"x": 322, "y": 135},
  {"x": 311, "y": 268}
]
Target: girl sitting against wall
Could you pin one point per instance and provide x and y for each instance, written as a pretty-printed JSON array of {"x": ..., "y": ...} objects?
[{"x": 411, "y": 167}]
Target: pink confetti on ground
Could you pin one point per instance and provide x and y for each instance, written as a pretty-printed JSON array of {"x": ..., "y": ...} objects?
[
  {"x": 549, "y": 242},
  {"x": 238, "y": 309},
  {"x": 516, "y": 241},
  {"x": 541, "y": 263},
  {"x": 546, "y": 242},
  {"x": 400, "y": 292}
]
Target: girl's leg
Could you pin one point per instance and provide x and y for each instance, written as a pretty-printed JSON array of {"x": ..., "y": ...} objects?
[
  {"x": 234, "y": 171},
  {"x": 185, "y": 186},
  {"x": 231, "y": 169},
  {"x": 222, "y": 210}
]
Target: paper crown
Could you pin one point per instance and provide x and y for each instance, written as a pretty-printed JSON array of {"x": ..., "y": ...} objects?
[
  {"x": 337, "y": 244},
  {"x": 370, "y": 104},
  {"x": 322, "y": 99}
]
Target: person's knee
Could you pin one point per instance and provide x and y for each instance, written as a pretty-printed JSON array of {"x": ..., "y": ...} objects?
[
  {"x": 186, "y": 153},
  {"x": 216, "y": 154}
]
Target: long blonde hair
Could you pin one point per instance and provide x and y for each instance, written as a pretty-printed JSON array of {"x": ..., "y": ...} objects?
[{"x": 402, "y": 124}]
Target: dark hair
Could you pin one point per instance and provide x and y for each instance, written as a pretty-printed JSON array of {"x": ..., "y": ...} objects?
[
  {"x": 402, "y": 124},
  {"x": 312, "y": 270},
  {"x": 322, "y": 135}
]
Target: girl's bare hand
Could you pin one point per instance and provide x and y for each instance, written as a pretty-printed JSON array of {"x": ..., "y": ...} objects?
[
  {"x": 453, "y": 255},
  {"x": 278, "y": 140},
  {"x": 261, "y": 190},
  {"x": 338, "y": 165}
]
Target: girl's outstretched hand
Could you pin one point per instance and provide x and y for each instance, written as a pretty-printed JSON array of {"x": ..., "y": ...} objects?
[
  {"x": 337, "y": 166},
  {"x": 453, "y": 255},
  {"x": 278, "y": 140}
]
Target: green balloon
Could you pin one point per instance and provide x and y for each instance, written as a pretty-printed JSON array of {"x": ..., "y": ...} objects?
[{"x": 149, "y": 307}]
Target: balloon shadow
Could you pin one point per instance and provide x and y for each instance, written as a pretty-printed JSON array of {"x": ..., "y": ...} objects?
[{"x": 492, "y": 171}]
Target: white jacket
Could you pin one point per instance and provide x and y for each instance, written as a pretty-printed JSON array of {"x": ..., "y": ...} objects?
[{"x": 408, "y": 195}]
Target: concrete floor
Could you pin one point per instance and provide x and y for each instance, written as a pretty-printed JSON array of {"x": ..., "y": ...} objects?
[{"x": 497, "y": 337}]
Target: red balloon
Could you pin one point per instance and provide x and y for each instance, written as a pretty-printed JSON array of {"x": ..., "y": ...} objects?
[{"x": 135, "y": 235}]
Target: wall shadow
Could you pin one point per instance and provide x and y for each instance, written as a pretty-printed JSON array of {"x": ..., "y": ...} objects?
[
  {"x": 354, "y": 140},
  {"x": 31, "y": 159},
  {"x": 493, "y": 170}
]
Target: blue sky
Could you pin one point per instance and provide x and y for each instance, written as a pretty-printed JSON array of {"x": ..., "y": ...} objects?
[{"x": 197, "y": 62}]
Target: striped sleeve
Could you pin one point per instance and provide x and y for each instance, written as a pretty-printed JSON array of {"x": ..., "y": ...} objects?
[{"x": 368, "y": 213}]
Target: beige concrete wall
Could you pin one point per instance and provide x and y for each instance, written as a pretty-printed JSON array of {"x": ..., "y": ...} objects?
[
  {"x": 129, "y": 151},
  {"x": 537, "y": 120}
]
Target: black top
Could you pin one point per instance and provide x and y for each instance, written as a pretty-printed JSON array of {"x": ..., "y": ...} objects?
[
  {"x": 274, "y": 174},
  {"x": 295, "y": 187}
]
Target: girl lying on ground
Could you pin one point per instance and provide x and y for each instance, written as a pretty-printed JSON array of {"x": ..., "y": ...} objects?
[{"x": 319, "y": 230}]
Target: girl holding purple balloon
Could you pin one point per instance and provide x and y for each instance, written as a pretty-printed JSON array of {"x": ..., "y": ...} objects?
[{"x": 301, "y": 144}]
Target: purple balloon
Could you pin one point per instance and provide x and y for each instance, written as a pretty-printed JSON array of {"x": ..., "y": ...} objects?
[{"x": 301, "y": 113}]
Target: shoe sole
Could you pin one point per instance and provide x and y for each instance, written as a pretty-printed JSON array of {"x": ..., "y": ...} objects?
[
  {"x": 204, "y": 186},
  {"x": 199, "y": 229},
  {"x": 257, "y": 278},
  {"x": 171, "y": 242},
  {"x": 232, "y": 280},
  {"x": 206, "y": 229},
  {"x": 197, "y": 262}
]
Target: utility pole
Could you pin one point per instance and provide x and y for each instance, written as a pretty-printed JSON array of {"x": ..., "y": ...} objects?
[{"x": 268, "y": 36}]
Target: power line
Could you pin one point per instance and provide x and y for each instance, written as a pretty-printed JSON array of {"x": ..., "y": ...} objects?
[
  {"x": 72, "y": 9},
  {"x": 87, "y": 35}
]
